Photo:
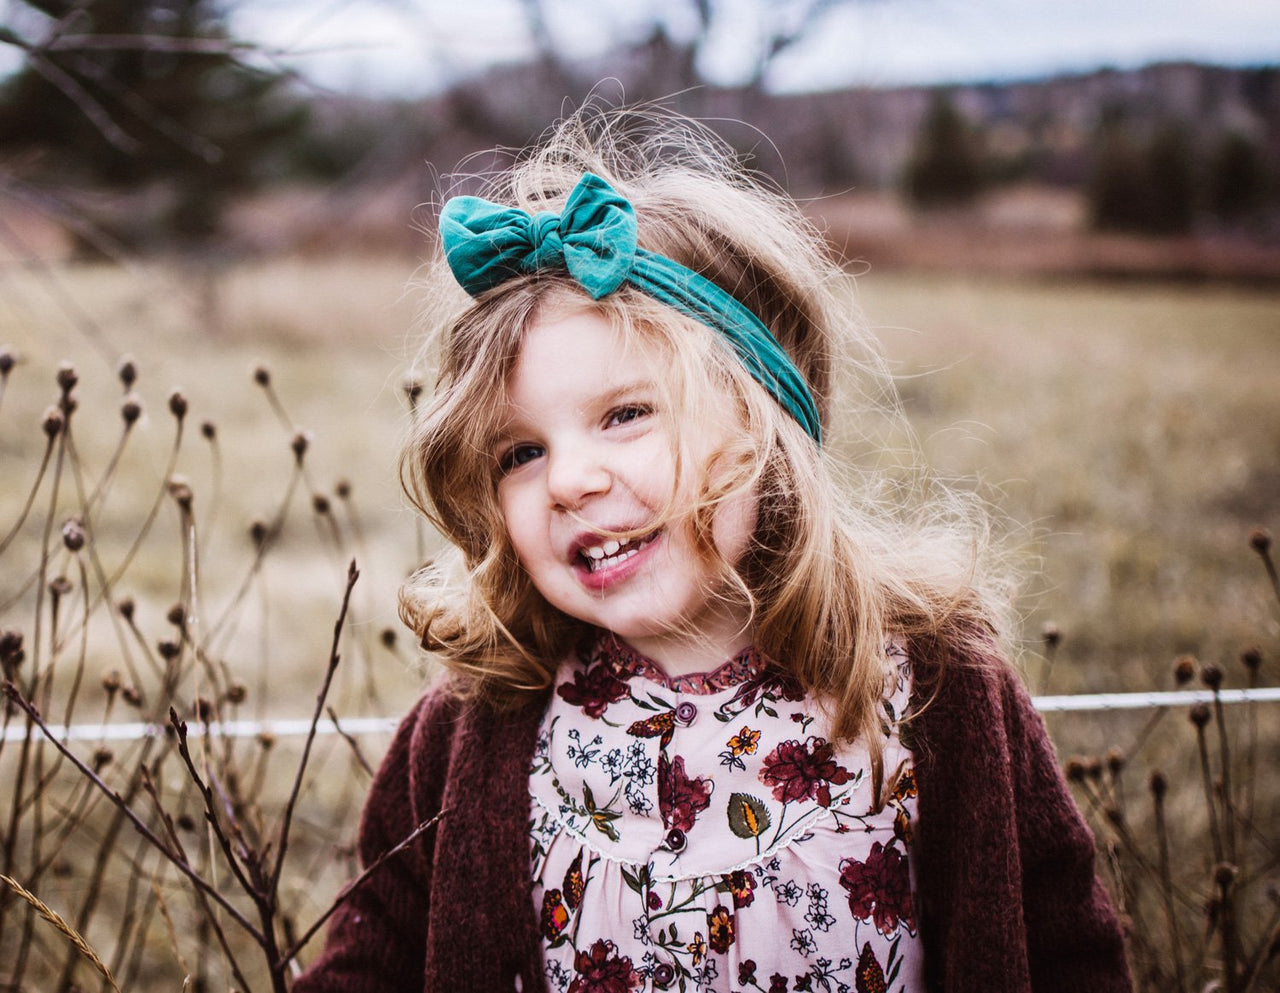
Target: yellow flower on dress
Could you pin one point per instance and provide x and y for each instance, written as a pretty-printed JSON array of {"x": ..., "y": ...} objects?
[
  {"x": 698, "y": 946},
  {"x": 744, "y": 742}
]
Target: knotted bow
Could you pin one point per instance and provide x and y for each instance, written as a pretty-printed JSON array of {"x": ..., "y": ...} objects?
[{"x": 594, "y": 239}]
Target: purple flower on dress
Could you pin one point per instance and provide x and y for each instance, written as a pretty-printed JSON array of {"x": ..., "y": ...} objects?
[
  {"x": 742, "y": 885},
  {"x": 593, "y": 689},
  {"x": 880, "y": 889},
  {"x": 680, "y": 798},
  {"x": 603, "y": 970},
  {"x": 803, "y": 771},
  {"x": 771, "y": 683}
]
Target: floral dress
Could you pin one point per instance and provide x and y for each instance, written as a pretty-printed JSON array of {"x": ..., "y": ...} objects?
[{"x": 702, "y": 833}]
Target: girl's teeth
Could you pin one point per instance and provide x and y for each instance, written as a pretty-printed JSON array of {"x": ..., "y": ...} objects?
[
  {"x": 597, "y": 552},
  {"x": 611, "y": 552}
]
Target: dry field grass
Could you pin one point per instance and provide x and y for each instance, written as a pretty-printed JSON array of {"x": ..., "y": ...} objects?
[{"x": 1131, "y": 431}]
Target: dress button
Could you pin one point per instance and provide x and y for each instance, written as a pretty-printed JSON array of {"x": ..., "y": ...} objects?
[
  {"x": 685, "y": 713},
  {"x": 676, "y": 840}
]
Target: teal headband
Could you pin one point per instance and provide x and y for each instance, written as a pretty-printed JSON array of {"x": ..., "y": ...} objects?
[{"x": 487, "y": 244}]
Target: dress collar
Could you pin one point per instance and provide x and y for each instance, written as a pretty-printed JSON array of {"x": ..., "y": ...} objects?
[{"x": 626, "y": 662}]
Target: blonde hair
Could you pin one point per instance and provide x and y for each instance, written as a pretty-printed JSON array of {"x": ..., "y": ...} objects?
[{"x": 842, "y": 558}]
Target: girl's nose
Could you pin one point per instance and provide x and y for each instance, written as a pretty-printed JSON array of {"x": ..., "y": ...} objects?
[{"x": 574, "y": 476}]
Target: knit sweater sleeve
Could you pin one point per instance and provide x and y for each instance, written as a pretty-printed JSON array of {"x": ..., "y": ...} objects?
[
  {"x": 1009, "y": 896},
  {"x": 377, "y": 938},
  {"x": 1073, "y": 937}
]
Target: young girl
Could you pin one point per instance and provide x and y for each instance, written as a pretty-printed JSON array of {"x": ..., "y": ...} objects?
[{"x": 717, "y": 713}]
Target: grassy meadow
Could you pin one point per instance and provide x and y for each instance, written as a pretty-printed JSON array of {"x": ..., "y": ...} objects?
[{"x": 1128, "y": 432}]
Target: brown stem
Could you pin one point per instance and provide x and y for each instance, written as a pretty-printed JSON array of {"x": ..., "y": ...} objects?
[
  {"x": 1228, "y": 799},
  {"x": 31, "y": 495},
  {"x": 355, "y": 745},
  {"x": 1206, "y": 776},
  {"x": 283, "y": 838},
  {"x": 208, "y": 916},
  {"x": 352, "y": 886},
  {"x": 1166, "y": 885},
  {"x": 139, "y": 825},
  {"x": 210, "y": 805}
]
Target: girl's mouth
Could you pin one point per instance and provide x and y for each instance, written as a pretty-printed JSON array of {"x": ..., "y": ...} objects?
[{"x": 610, "y": 553}]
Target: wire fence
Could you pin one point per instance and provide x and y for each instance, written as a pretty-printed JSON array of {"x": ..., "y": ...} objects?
[{"x": 385, "y": 725}]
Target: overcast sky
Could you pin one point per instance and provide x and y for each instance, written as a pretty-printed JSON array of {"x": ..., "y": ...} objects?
[{"x": 415, "y": 45}]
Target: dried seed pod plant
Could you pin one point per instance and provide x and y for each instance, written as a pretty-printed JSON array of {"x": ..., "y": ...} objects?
[
  {"x": 145, "y": 843},
  {"x": 1198, "y": 889}
]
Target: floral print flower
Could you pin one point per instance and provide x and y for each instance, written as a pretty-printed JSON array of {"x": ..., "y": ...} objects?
[
  {"x": 905, "y": 785},
  {"x": 880, "y": 889},
  {"x": 661, "y": 726},
  {"x": 593, "y": 689},
  {"x": 772, "y": 685},
  {"x": 602, "y": 970},
  {"x": 803, "y": 771},
  {"x": 675, "y": 767},
  {"x": 742, "y": 885},
  {"x": 554, "y": 915},
  {"x": 681, "y": 798},
  {"x": 720, "y": 929},
  {"x": 802, "y": 941},
  {"x": 574, "y": 883},
  {"x": 744, "y": 742}
]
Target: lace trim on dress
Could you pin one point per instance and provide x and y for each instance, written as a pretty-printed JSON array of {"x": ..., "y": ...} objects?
[{"x": 626, "y": 662}]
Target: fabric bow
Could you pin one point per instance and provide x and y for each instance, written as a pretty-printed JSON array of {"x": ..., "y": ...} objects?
[{"x": 594, "y": 238}]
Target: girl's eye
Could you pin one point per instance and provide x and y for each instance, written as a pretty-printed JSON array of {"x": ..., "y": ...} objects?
[
  {"x": 631, "y": 412},
  {"x": 518, "y": 455}
]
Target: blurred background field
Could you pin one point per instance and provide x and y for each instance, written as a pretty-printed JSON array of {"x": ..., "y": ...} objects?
[{"x": 1075, "y": 277}]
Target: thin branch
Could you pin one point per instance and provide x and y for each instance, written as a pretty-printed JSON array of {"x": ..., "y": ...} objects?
[
  {"x": 352, "y": 575},
  {"x": 350, "y": 740},
  {"x": 181, "y": 864},
  {"x": 97, "y": 114},
  {"x": 352, "y": 886}
]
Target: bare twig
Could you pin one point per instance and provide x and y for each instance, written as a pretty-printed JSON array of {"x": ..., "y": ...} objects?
[
  {"x": 179, "y": 863},
  {"x": 355, "y": 884},
  {"x": 283, "y": 838},
  {"x": 350, "y": 740}
]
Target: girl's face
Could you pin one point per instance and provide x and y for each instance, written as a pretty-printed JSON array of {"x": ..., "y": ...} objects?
[{"x": 583, "y": 450}]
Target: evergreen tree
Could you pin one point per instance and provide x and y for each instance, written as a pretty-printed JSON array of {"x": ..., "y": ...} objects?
[
  {"x": 130, "y": 94},
  {"x": 1117, "y": 188},
  {"x": 946, "y": 167},
  {"x": 1169, "y": 173},
  {"x": 1237, "y": 179},
  {"x": 1143, "y": 187}
]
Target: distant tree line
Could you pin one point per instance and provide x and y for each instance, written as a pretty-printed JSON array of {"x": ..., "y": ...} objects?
[
  {"x": 134, "y": 95},
  {"x": 1143, "y": 178},
  {"x": 155, "y": 104}
]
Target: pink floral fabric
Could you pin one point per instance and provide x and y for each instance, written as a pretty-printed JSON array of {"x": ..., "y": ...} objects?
[{"x": 704, "y": 833}]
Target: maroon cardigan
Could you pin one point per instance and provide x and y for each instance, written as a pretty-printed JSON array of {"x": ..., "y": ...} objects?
[{"x": 1007, "y": 896}]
